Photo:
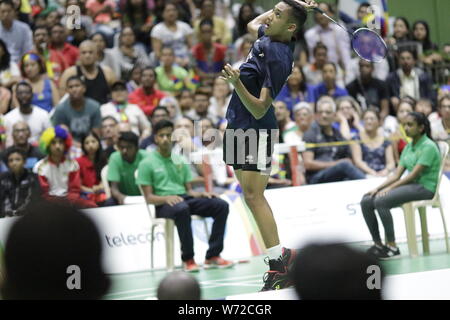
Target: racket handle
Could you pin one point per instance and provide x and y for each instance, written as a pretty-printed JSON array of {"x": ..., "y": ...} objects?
[{"x": 319, "y": 10}]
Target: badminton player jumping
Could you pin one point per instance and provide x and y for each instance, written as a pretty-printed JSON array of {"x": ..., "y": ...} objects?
[{"x": 252, "y": 127}]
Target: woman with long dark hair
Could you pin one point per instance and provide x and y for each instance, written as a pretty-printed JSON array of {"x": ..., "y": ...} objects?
[
  {"x": 45, "y": 92},
  {"x": 9, "y": 71},
  {"x": 422, "y": 160},
  {"x": 246, "y": 14},
  {"x": 402, "y": 31},
  {"x": 91, "y": 164},
  {"x": 105, "y": 57},
  {"x": 421, "y": 34}
]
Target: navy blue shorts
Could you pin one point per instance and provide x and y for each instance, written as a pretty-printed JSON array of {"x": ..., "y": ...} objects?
[{"x": 249, "y": 149}]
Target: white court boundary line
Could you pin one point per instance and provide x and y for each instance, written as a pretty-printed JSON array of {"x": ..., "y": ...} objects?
[{"x": 207, "y": 284}]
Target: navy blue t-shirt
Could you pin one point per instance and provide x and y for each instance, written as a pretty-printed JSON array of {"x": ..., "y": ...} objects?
[{"x": 268, "y": 65}]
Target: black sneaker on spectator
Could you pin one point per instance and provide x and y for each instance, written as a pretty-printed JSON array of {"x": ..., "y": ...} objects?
[
  {"x": 375, "y": 250},
  {"x": 390, "y": 253}
]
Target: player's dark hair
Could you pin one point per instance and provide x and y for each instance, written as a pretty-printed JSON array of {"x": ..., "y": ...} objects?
[{"x": 298, "y": 13}]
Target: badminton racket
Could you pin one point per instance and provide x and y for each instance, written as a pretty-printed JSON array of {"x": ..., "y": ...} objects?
[{"x": 366, "y": 43}]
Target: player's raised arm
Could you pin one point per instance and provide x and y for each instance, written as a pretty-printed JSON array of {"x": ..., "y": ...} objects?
[{"x": 253, "y": 26}]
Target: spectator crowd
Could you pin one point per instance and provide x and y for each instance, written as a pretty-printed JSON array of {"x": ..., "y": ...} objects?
[{"x": 80, "y": 98}]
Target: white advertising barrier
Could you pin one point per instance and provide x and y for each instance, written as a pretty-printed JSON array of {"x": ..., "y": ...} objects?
[
  {"x": 331, "y": 212},
  {"x": 323, "y": 212},
  {"x": 125, "y": 234}
]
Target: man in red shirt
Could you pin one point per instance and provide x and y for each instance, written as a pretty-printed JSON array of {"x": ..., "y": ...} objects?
[
  {"x": 146, "y": 96},
  {"x": 55, "y": 63},
  {"x": 209, "y": 56},
  {"x": 58, "y": 42}
]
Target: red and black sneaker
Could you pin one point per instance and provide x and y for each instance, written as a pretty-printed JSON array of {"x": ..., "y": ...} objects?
[{"x": 277, "y": 277}]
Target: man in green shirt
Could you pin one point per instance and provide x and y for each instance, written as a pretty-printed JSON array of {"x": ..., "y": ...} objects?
[
  {"x": 121, "y": 168},
  {"x": 166, "y": 180},
  {"x": 422, "y": 160}
]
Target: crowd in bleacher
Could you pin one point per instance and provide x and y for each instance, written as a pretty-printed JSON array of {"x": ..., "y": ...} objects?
[{"x": 78, "y": 94}]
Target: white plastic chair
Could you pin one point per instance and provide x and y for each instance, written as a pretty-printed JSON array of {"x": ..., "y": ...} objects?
[
  {"x": 104, "y": 177},
  {"x": 410, "y": 208},
  {"x": 169, "y": 226}
]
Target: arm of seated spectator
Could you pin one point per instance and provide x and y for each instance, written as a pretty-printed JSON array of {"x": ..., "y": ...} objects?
[
  {"x": 55, "y": 94},
  {"x": 411, "y": 177},
  {"x": 156, "y": 45},
  {"x": 390, "y": 180},
  {"x": 160, "y": 200},
  {"x": 358, "y": 160},
  {"x": 196, "y": 194},
  {"x": 384, "y": 107},
  {"x": 45, "y": 187},
  {"x": 277, "y": 181},
  {"x": 390, "y": 161},
  {"x": 86, "y": 189},
  {"x": 116, "y": 194},
  {"x": 344, "y": 127},
  {"x": 14, "y": 101},
  {"x": 145, "y": 128},
  {"x": 99, "y": 188},
  {"x": 109, "y": 75},
  {"x": 74, "y": 185},
  {"x": 5, "y": 98},
  {"x": 72, "y": 71},
  {"x": 395, "y": 101}
]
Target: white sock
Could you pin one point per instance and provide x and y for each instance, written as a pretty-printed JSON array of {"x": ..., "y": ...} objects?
[{"x": 274, "y": 252}]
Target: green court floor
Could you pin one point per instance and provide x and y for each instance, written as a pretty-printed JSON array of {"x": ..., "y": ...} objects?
[{"x": 247, "y": 277}]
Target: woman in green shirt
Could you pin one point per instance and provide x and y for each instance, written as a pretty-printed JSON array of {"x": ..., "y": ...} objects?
[{"x": 422, "y": 159}]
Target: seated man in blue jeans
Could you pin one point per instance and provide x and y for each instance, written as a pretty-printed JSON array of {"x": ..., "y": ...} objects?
[
  {"x": 165, "y": 178},
  {"x": 329, "y": 163}
]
